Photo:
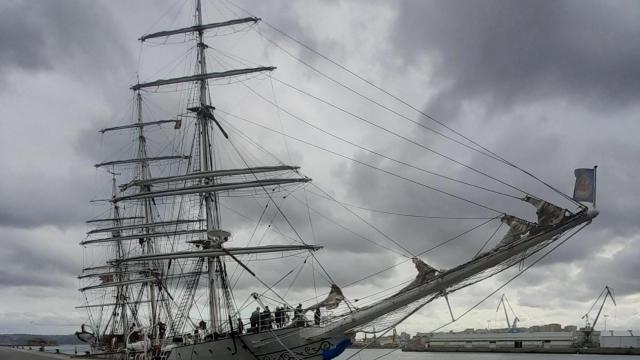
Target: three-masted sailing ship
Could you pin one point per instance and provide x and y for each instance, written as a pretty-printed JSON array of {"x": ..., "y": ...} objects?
[{"x": 161, "y": 246}]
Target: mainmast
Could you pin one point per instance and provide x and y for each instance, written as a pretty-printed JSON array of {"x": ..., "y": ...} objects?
[{"x": 207, "y": 164}]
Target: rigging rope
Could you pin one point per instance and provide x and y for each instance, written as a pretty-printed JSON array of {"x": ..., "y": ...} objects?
[
  {"x": 278, "y": 107},
  {"x": 284, "y": 216},
  {"x": 351, "y": 231},
  {"x": 419, "y": 254},
  {"x": 489, "y": 239},
  {"x": 397, "y": 213},
  {"x": 334, "y": 222},
  {"x": 513, "y": 277},
  {"x": 394, "y": 134},
  {"x": 368, "y": 223},
  {"x": 360, "y": 162},
  {"x": 401, "y": 137},
  {"x": 485, "y": 152}
]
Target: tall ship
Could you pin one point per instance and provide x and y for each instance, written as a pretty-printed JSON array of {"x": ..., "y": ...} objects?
[{"x": 162, "y": 265}]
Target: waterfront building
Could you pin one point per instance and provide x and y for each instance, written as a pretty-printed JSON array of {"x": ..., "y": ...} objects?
[
  {"x": 620, "y": 339},
  {"x": 558, "y": 339}
]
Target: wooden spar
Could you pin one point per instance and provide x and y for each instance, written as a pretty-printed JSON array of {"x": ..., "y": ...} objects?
[
  {"x": 198, "y": 28},
  {"x": 138, "y": 125},
  {"x": 141, "y": 226},
  {"x": 113, "y": 219},
  {"x": 142, "y": 236},
  {"x": 211, "y": 188},
  {"x": 138, "y": 281},
  {"x": 201, "y": 77},
  {"x": 208, "y": 174},
  {"x": 112, "y": 304},
  {"x": 129, "y": 271},
  {"x": 146, "y": 159},
  {"x": 103, "y": 267},
  {"x": 211, "y": 252}
]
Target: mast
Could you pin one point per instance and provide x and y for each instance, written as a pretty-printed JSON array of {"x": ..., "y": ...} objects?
[
  {"x": 121, "y": 296},
  {"x": 147, "y": 245},
  {"x": 206, "y": 164}
]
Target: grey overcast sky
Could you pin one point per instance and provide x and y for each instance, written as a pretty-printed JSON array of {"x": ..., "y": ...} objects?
[{"x": 549, "y": 85}]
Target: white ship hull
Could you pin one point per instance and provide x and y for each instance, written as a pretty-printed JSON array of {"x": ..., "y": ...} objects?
[{"x": 263, "y": 346}]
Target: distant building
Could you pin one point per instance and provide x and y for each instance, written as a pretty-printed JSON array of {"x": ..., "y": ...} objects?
[
  {"x": 549, "y": 328},
  {"x": 552, "y": 328},
  {"x": 387, "y": 341},
  {"x": 556, "y": 339},
  {"x": 570, "y": 328},
  {"x": 404, "y": 338},
  {"x": 620, "y": 339}
]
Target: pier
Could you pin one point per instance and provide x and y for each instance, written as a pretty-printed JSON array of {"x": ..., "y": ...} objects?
[{"x": 13, "y": 353}]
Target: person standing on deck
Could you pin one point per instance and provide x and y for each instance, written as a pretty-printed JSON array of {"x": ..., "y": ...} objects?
[
  {"x": 316, "y": 317},
  {"x": 279, "y": 315},
  {"x": 297, "y": 316},
  {"x": 240, "y": 326},
  {"x": 265, "y": 319},
  {"x": 255, "y": 318}
]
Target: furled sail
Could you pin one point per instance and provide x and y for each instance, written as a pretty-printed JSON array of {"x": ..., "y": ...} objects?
[
  {"x": 517, "y": 228},
  {"x": 548, "y": 214},
  {"x": 332, "y": 300},
  {"x": 426, "y": 273}
]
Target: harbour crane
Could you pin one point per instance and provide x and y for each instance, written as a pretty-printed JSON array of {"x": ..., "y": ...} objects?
[
  {"x": 589, "y": 327},
  {"x": 505, "y": 302}
]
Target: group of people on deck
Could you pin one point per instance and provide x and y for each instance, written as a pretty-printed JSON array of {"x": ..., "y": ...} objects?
[
  {"x": 261, "y": 321},
  {"x": 266, "y": 320}
]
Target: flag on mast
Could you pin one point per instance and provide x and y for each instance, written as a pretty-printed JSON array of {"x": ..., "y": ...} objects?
[{"x": 585, "y": 188}]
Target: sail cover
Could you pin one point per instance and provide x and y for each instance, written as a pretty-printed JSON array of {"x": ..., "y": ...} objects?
[{"x": 332, "y": 301}]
